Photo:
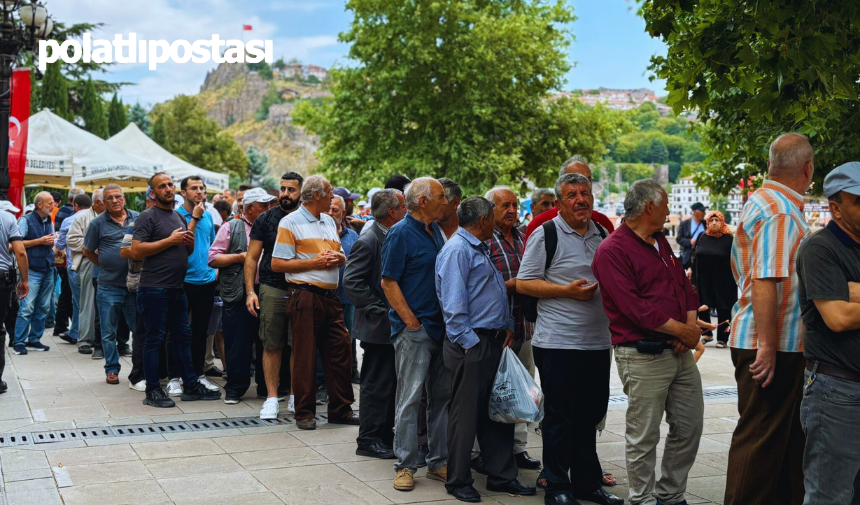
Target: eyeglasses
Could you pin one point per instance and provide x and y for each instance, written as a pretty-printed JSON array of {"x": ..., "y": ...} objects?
[{"x": 114, "y": 198}]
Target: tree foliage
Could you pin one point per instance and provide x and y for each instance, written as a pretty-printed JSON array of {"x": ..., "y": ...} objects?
[
  {"x": 754, "y": 70},
  {"x": 455, "y": 89},
  {"x": 117, "y": 118},
  {"x": 181, "y": 127},
  {"x": 138, "y": 115},
  {"x": 92, "y": 111},
  {"x": 271, "y": 97},
  {"x": 55, "y": 91},
  {"x": 258, "y": 169},
  {"x": 261, "y": 68}
]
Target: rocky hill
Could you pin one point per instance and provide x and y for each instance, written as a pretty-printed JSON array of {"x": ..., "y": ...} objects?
[{"x": 232, "y": 95}]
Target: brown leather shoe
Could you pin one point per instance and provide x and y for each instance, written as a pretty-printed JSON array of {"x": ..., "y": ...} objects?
[
  {"x": 306, "y": 424},
  {"x": 112, "y": 378},
  {"x": 351, "y": 419}
]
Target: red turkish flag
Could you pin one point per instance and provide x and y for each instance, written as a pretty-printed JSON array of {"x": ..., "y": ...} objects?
[
  {"x": 18, "y": 130},
  {"x": 247, "y": 28}
]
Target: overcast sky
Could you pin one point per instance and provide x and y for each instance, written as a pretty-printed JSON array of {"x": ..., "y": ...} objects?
[{"x": 611, "y": 47}]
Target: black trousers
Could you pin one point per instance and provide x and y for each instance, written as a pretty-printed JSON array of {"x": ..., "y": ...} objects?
[
  {"x": 6, "y": 295},
  {"x": 473, "y": 374},
  {"x": 377, "y": 396},
  {"x": 64, "y": 303},
  {"x": 723, "y": 331},
  {"x": 201, "y": 299},
  {"x": 239, "y": 330},
  {"x": 576, "y": 395},
  {"x": 137, "y": 342}
]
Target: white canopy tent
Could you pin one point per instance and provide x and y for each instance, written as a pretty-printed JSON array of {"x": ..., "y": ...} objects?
[
  {"x": 134, "y": 141},
  {"x": 61, "y": 155}
]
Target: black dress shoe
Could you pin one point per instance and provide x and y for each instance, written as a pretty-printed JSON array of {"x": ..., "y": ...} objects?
[
  {"x": 3, "y": 387},
  {"x": 423, "y": 452},
  {"x": 513, "y": 487},
  {"x": 214, "y": 372},
  {"x": 477, "y": 465},
  {"x": 66, "y": 338},
  {"x": 466, "y": 493},
  {"x": 560, "y": 499},
  {"x": 376, "y": 450},
  {"x": 85, "y": 349},
  {"x": 602, "y": 497},
  {"x": 527, "y": 462}
]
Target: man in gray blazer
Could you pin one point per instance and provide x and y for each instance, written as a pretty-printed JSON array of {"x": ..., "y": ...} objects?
[{"x": 362, "y": 281}]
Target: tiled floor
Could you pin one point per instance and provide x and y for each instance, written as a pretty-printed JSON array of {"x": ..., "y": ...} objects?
[{"x": 62, "y": 389}]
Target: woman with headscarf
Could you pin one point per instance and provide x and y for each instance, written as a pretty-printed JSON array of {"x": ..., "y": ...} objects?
[{"x": 712, "y": 272}]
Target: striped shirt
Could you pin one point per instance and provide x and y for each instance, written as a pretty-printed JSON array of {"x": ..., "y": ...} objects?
[
  {"x": 302, "y": 236},
  {"x": 770, "y": 231}
]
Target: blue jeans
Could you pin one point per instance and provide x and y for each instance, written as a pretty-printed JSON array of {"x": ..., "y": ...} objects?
[
  {"x": 75, "y": 284},
  {"x": 34, "y": 308},
  {"x": 831, "y": 458},
  {"x": 111, "y": 301},
  {"x": 164, "y": 309}
]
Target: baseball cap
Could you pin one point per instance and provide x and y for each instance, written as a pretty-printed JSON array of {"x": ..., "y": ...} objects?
[
  {"x": 372, "y": 192},
  {"x": 362, "y": 204},
  {"x": 150, "y": 194},
  {"x": 697, "y": 206},
  {"x": 255, "y": 195},
  {"x": 345, "y": 194},
  {"x": 845, "y": 177},
  {"x": 7, "y": 206}
]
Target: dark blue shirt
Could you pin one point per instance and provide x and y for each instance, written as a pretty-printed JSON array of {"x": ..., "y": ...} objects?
[
  {"x": 348, "y": 236},
  {"x": 105, "y": 236},
  {"x": 409, "y": 257}
]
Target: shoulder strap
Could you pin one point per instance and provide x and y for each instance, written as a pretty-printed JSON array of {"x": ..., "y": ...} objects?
[
  {"x": 601, "y": 230},
  {"x": 550, "y": 241}
]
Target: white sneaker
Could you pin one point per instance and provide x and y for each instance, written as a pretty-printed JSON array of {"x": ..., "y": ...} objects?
[
  {"x": 174, "y": 387},
  {"x": 208, "y": 385},
  {"x": 137, "y": 386},
  {"x": 291, "y": 407},
  {"x": 270, "y": 409}
]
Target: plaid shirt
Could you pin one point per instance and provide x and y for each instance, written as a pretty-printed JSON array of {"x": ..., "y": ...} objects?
[{"x": 506, "y": 257}]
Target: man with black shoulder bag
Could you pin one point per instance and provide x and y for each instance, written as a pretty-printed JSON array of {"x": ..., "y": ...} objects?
[{"x": 652, "y": 306}]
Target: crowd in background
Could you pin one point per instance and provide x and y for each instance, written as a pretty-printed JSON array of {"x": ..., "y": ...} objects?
[{"x": 435, "y": 286}]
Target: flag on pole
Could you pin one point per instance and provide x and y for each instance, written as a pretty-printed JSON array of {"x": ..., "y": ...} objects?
[{"x": 247, "y": 28}]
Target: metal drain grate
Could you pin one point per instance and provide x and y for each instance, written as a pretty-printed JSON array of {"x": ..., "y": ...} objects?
[
  {"x": 132, "y": 430},
  {"x": 707, "y": 394}
]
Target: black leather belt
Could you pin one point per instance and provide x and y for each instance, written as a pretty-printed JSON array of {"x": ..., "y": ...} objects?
[
  {"x": 833, "y": 371},
  {"x": 327, "y": 293},
  {"x": 497, "y": 334}
]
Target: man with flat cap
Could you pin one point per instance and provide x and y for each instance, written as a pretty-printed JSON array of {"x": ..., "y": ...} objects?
[{"x": 828, "y": 266}]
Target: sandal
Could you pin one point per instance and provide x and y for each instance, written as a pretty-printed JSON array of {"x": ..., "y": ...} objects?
[
  {"x": 705, "y": 340},
  {"x": 608, "y": 479},
  {"x": 721, "y": 345},
  {"x": 541, "y": 480}
]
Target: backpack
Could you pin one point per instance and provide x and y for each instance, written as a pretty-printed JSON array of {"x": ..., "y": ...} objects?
[{"x": 529, "y": 303}]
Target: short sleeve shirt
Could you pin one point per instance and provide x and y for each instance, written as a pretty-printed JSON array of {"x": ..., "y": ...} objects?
[
  {"x": 572, "y": 261},
  {"x": 9, "y": 233},
  {"x": 265, "y": 230},
  {"x": 167, "y": 268},
  {"x": 303, "y": 236},
  {"x": 199, "y": 271},
  {"x": 770, "y": 231},
  {"x": 409, "y": 257},
  {"x": 826, "y": 263},
  {"x": 105, "y": 236}
]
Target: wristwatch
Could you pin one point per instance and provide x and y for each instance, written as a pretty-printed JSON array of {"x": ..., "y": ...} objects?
[{"x": 195, "y": 218}]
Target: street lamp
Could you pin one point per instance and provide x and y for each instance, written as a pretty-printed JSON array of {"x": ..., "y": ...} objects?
[{"x": 16, "y": 35}]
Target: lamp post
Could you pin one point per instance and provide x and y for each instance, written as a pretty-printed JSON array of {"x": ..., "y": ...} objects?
[{"x": 14, "y": 36}]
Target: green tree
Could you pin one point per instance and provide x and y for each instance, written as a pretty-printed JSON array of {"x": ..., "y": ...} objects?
[
  {"x": 446, "y": 88},
  {"x": 280, "y": 65},
  {"x": 55, "y": 94},
  {"x": 659, "y": 153},
  {"x": 632, "y": 172},
  {"x": 159, "y": 133},
  {"x": 197, "y": 139},
  {"x": 754, "y": 70},
  {"x": 261, "y": 68},
  {"x": 117, "y": 119},
  {"x": 92, "y": 111},
  {"x": 271, "y": 97},
  {"x": 138, "y": 115},
  {"x": 258, "y": 166}
]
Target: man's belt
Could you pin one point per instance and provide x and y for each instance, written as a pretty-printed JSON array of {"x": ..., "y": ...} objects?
[
  {"x": 327, "y": 293},
  {"x": 648, "y": 346},
  {"x": 497, "y": 334},
  {"x": 833, "y": 371}
]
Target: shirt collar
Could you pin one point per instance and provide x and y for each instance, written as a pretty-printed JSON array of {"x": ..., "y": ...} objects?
[
  {"x": 305, "y": 213},
  {"x": 514, "y": 231},
  {"x": 562, "y": 224},
  {"x": 795, "y": 197},
  {"x": 840, "y": 234},
  {"x": 384, "y": 229},
  {"x": 471, "y": 239}
]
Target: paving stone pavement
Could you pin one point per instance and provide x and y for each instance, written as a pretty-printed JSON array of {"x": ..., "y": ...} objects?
[{"x": 62, "y": 389}]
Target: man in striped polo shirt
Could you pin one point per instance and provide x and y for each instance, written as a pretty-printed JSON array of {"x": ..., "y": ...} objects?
[
  {"x": 308, "y": 251},
  {"x": 766, "y": 455}
]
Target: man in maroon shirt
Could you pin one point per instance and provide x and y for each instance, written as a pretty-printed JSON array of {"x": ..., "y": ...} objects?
[
  {"x": 651, "y": 306},
  {"x": 575, "y": 165}
]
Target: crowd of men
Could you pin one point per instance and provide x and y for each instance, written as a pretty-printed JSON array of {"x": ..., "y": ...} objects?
[{"x": 435, "y": 286}]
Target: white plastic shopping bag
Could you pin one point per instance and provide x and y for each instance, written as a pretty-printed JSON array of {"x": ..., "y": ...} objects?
[{"x": 516, "y": 397}]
